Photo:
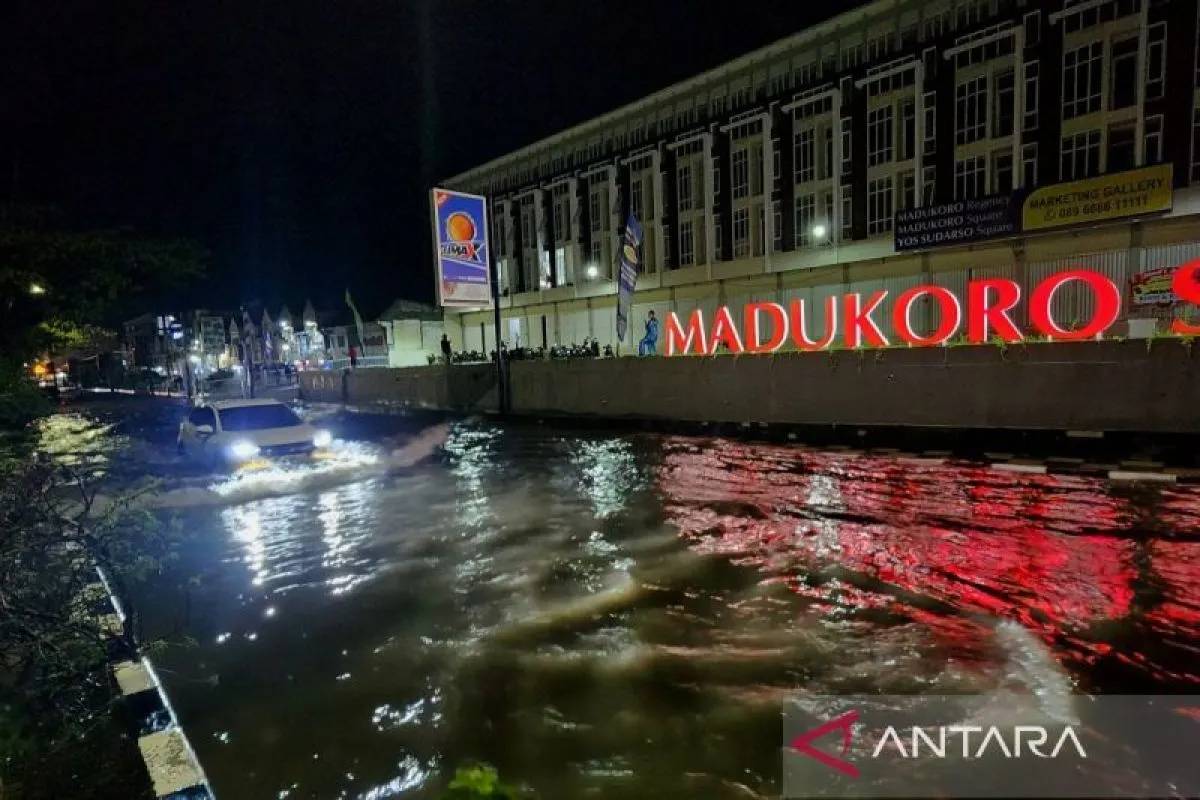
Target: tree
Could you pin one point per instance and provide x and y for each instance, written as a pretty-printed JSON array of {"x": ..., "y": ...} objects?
[{"x": 65, "y": 289}]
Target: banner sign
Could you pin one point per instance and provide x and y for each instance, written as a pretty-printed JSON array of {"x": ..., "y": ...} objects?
[
  {"x": 630, "y": 258},
  {"x": 463, "y": 257},
  {"x": 1152, "y": 287},
  {"x": 1108, "y": 197},
  {"x": 1122, "y": 194},
  {"x": 984, "y": 313},
  {"x": 955, "y": 223}
]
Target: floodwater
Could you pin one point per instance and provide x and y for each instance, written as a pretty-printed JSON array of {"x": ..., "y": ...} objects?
[{"x": 620, "y": 615}]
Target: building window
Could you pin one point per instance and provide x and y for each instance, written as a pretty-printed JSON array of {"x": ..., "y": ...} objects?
[
  {"x": 1033, "y": 28},
  {"x": 1005, "y": 104},
  {"x": 1002, "y": 172},
  {"x": 741, "y": 174},
  {"x": 776, "y": 227},
  {"x": 687, "y": 243},
  {"x": 1156, "y": 60},
  {"x": 908, "y": 129},
  {"x": 906, "y": 190},
  {"x": 635, "y": 198},
  {"x": 596, "y": 252},
  {"x": 1121, "y": 148},
  {"x": 760, "y": 240},
  {"x": 776, "y": 161},
  {"x": 930, "y": 109},
  {"x": 1082, "y": 69},
  {"x": 684, "y": 183},
  {"x": 716, "y": 180},
  {"x": 970, "y": 101},
  {"x": 928, "y": 185},
  {"x": 806, "y": 209},
  {"x": 1123, "y": 92},
  {"x": 1195, "y": 145},
  {"x": 847, "y": 213},
  {"x": 879, "y": 206},
  {"x": 666, "y": 246},
  {"x": 969, "y": 178},
  {"x": 805, "y": 152},
  {"x": 847, "y": 141},
  {"x": 595, "y": 210},
  {"x": 741, "y": 233},
  {"x": 1080, "y": 156},
  {"x": 1029, "y": 165},
  {"x": 718, "y": 239},
  {"x": 879, "y": 136},
  {"x": 1154, "y": 139},
  {"x": 1032, "y": 98}
]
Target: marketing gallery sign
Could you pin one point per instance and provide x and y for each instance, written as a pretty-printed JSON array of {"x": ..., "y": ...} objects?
[{"x": 1109, "y": 197}]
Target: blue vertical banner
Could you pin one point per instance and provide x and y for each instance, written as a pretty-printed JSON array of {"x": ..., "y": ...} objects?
[
  {"x": 630, "y": 260},
  {"x": 461, "y": 248}
]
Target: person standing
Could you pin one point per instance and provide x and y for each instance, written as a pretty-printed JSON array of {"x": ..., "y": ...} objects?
[
  {"x": 446, "y": 348},
  {"x": 353, "y": 357},
  {"x": 648, "y": 346}
]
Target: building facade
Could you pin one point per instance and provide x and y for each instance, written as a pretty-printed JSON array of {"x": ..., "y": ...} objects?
[{"x": 779, "y": 175}]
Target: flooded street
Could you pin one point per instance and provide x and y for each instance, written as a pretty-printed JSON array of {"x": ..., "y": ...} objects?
[{"x": 619, "y": 615}]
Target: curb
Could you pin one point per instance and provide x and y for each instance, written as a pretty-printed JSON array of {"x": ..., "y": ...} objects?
[{"x": 175, "y": 772}]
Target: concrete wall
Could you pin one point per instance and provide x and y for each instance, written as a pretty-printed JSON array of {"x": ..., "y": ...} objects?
[
  {"x": 469, "y": 387},
  {"x": 1112, "y": 386}
]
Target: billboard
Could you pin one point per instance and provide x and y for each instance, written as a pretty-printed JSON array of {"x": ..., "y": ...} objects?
[
  {"x": 630, "y": 259},
  {"x": 1108, "y": 197},
  {"x": 462, "y": 254}
]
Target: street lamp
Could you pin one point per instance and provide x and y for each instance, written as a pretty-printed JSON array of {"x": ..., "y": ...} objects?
[
  {"x": 593, "y": 272},
  {"x": 819, "y": 230},
  {"x": 36, "y": 289}
]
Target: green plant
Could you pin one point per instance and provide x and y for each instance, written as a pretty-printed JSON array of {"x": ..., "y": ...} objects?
[{"x": 478, "y": 782}]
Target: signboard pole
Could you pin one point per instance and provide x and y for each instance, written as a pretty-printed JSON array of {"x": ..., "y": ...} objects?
[{"x": 501, "y": 367}]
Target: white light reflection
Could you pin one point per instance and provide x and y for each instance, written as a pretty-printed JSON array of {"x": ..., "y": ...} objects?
[
  {"x": 470, "y": 451},
  {"x": 609, "y": 473},
  {"x": 413, "y": 775},
  {"x": 345, "y": 528}
]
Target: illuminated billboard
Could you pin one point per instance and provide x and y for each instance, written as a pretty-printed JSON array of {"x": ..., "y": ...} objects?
[{"x": 462, "y": 254}]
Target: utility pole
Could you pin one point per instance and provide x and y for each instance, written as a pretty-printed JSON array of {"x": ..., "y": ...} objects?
[{"x": 501, "y": 367}]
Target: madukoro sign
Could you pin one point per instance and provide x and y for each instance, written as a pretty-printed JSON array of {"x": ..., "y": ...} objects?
[
  {"x": 956, "y": 223},
  {"x": 985, "y": 315},
  {"x": 461, "y": 251}
]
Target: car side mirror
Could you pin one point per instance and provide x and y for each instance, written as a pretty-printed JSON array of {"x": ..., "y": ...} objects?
[{"x": 205, "y": 430}]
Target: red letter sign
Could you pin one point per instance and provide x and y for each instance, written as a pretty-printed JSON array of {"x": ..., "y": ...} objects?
[
  {"x": 724, "y": 330},
  {"x": 859, "y": 322},
  {"x": 1108, "y": 305},
  {"x": 682, "y": 341},
  {"x": 799, "y": 328},
  {"x": 1186, "y": 285},
  {"x": 779, "y": 327},
  {"x": 950, "y": 316},
  {"x": 982, "y": 316}
]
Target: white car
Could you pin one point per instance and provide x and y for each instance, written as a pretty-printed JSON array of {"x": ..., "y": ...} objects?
[{"x": 238, "y": 432}]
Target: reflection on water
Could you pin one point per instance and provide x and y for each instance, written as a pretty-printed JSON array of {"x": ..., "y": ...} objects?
[{"x": 619, "y": 616}]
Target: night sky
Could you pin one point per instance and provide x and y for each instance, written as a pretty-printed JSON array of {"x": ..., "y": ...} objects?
[{"x": 297, "y": 140}]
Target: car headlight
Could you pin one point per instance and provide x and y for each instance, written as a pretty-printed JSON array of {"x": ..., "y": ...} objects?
[
  {"x": 322, "y": 439},
  {"x": 243, "y": 449}
]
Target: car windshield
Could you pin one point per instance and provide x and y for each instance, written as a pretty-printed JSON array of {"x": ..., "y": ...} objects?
[{"x": 257, "y": 418}]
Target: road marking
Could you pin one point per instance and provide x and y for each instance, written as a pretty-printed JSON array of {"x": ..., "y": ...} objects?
[
  {"x": 1032, "y": 469},
  {"x": 1157, "y": 477}
]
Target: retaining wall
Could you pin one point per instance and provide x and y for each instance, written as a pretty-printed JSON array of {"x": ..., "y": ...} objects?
[{"x": 1102, "y": 386}]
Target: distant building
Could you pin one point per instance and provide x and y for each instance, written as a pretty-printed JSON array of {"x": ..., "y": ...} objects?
[{"x": 781, "y": 174}]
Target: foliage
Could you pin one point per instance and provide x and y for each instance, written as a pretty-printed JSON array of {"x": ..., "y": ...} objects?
[
  {"x": 21, "y": 402},
  {"x": 89, "y": 279},
  {"x": 55, "y": 692},
  {"x": 478, "y": 782}
]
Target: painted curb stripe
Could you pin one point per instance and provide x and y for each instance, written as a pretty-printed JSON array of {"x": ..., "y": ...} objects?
[
  {"x": 1031, "y": 469},
  {"x": 1156, "y": 477},
  {"x": 171, "y": 763}
]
